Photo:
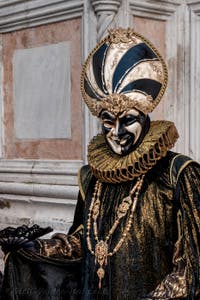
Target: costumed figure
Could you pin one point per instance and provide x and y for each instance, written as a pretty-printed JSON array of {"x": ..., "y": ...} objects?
[{"x": 136, "y": 228}]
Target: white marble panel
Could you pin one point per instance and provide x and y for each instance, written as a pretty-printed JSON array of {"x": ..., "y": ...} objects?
[{"x": 42, "y": 92}]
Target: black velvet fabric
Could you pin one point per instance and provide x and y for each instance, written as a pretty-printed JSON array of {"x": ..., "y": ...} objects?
[{"x": 31, "y": 277}]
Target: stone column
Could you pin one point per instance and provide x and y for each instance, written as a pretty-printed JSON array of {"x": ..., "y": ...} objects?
[{"x": 105, "y": 11}]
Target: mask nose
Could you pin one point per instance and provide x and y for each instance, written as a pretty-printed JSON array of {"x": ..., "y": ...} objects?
[{"x": 119, "y": 129}]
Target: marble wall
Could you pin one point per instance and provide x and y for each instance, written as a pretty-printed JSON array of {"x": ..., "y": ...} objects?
[
  {"x": 41, "y": 124},
  {"x": 155, "y": 31},
  {"x": 41, "y": 86}
]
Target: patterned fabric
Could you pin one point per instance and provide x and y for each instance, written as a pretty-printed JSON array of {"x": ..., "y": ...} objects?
[
  {"x": 124, "y": 70},
  {"x": 62, "y": 245}
]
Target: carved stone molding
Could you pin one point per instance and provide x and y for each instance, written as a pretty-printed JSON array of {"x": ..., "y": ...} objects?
[
  {"x": 47, "y": 172},
  {"x": 194, "y": 5},
  {"x": 154, "y": 9},
  {"x": 44, "y": 211},
  {"x": 34, "y": 191},
  {"x": 105, "y": 11},
  {"x": 110, "y": 6},
  {"x": 18, "y": 14}
]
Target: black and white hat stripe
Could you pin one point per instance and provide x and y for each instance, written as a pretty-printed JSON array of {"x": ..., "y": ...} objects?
[
  {"x": 131, "y": 58},
  {"x": 129, "y": 66}
]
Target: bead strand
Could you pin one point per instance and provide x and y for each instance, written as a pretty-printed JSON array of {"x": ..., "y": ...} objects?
[{"x": 101, "y": 248}]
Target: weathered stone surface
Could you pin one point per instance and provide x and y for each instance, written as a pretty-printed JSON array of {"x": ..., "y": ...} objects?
[{"x": 42, "y": 92}]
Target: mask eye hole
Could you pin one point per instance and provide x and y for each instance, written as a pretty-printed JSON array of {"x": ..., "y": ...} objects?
[
  {"x": 108, "y": 120},
  {"x": 128, "y": 120},
  {"x": 108, "y": 123}
]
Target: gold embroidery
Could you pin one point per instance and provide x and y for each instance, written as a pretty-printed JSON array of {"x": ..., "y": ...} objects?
[
  {"x": 171, "y": 167},
  {"x": 121, "y": 35},
  {"x": 51, "y": 248},
  {"x": 61, "y": 245},
  {"x": 183, "y": 166},
  {"x": 173, "y": 286},
  {"x": 117, "y": 103}
]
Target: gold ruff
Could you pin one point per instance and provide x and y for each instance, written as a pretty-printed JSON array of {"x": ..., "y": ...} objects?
[{"x": 111, "y": 167}]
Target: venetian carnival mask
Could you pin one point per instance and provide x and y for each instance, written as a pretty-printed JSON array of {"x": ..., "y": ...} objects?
[
  {"x": 125, "y": 131},
  {"x": 123, "y": 80}
]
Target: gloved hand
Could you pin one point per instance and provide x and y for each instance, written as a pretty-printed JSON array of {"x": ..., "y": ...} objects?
[{"x": 13, "y": 239}]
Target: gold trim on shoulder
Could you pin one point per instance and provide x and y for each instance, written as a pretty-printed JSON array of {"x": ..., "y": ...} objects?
[
  {"x": 80, "y": 185},
  {"x": 107, "y": 166},
  {"x": 6, "y": 257}
]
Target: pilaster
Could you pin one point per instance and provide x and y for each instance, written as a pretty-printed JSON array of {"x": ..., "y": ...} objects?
[
  {"x": 194, "y": 79},
  {"x": 105, "y": 12},
  {"x": 177, "y": 98}
]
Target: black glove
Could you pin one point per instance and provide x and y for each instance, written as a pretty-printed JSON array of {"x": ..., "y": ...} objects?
[{"x": 12, "y": 239}]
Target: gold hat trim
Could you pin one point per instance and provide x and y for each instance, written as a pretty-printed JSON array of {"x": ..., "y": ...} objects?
[{"x": 107, "y": 166}]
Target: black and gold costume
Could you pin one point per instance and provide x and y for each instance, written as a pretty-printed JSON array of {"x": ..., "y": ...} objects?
[
  {"x": 160, "y": 257},
  {"x": 136, "y": 229}
]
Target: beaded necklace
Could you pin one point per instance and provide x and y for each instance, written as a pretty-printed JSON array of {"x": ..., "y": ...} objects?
[{"x": 101, "y": 251}]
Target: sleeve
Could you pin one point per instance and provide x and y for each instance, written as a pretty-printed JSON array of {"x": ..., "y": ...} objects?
[
  {"x": 184, "y": 281},
  {"x": 70, "y": 245},
  {"x": 66, "y": 245}
]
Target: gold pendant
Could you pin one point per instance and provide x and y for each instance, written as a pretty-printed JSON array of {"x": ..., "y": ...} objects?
[
  {"x": 101, "y": 257},
  {"x": 100, "y": 273},
  {"x": 124, "y": 207}
]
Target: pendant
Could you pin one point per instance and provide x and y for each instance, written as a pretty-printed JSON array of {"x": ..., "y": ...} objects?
[
  {"x": 96, "y": 210},
  {"x": 124, "y": 207},
  {"x": 100, "y": 273},
  {"x": 101, "y": 257}
]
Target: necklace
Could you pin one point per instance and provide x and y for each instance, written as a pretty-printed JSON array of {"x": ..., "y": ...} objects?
[{"x": 101, "y": 250}]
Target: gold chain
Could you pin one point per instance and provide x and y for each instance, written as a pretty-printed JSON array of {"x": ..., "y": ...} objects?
[{"x": 101, "y": 250}]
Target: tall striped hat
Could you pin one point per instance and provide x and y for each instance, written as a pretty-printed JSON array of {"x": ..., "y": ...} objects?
[{"x": 123, "y": 71}]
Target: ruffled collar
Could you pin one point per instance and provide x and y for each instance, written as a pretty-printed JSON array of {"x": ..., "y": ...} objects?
[{"x": 110, "y": 167}]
